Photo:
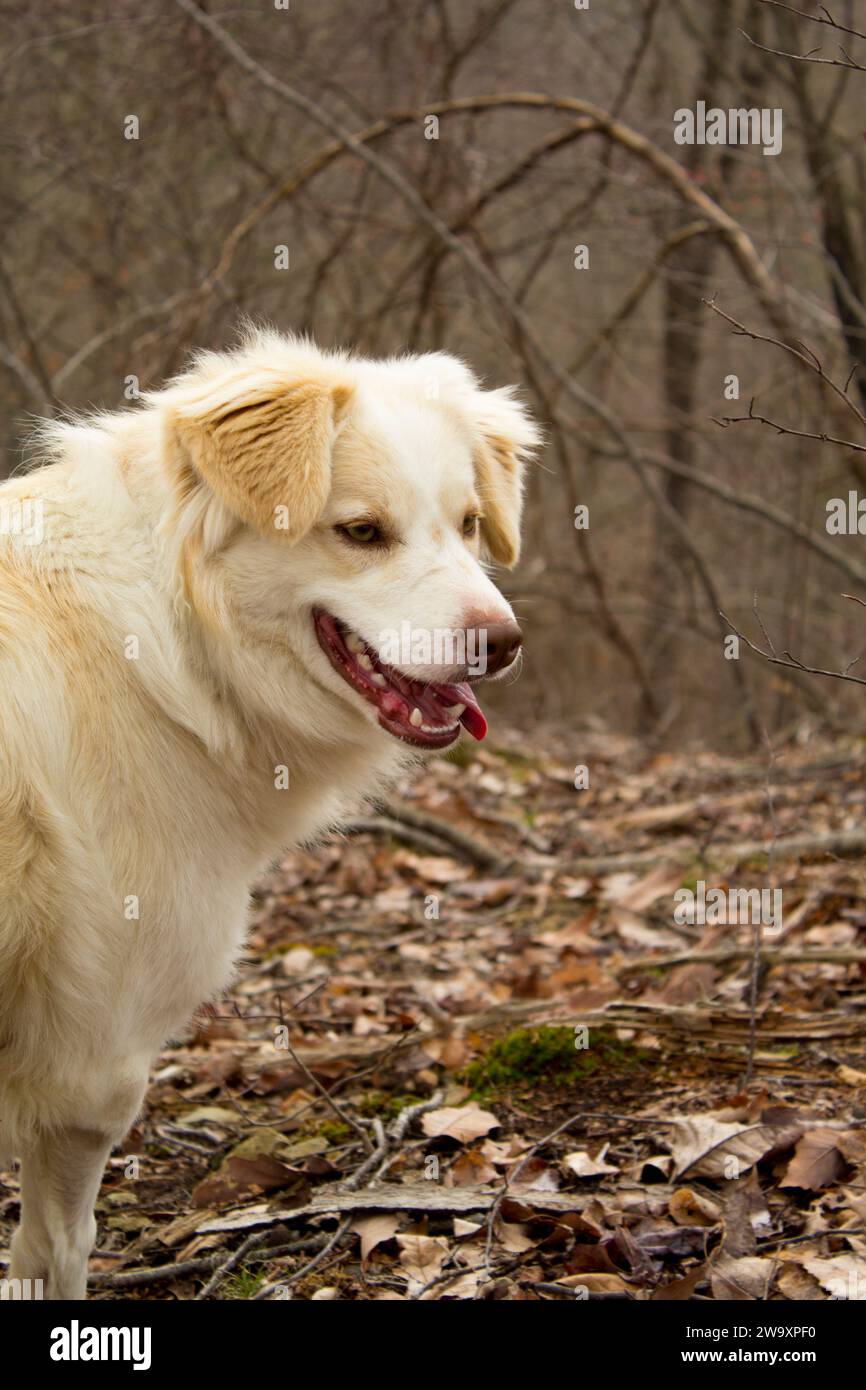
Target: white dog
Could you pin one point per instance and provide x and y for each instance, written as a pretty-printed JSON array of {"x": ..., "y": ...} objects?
[{"x": 196, "y": 597}]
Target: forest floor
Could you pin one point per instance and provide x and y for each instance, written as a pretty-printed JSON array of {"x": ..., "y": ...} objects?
[{"x": 473, "y": 1053}]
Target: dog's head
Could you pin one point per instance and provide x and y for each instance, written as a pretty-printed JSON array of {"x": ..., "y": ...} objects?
[{"x": 335, "y": 515}]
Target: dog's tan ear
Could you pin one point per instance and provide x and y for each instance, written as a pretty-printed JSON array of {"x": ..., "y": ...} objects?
[
  {"x": 507, "y": 437},
  {"x": 264, "y": 449}
]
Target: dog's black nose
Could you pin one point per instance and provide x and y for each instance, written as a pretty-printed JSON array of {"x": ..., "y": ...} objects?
[{"x": 501, "y": 642}]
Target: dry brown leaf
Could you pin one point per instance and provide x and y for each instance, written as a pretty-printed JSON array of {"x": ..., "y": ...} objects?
[
  {"x": 464, "y": 1123},
  {"x": 583, "y": 1166},
  {"x": 843, "y": 1276},
  {"x": 514, "y": 1236},
  {"x": 705, "y": 1147},
  {"x": 688, "y": 1208},
  {"x": 471, "y": 1169},
  {"x": 462, "y": 1227},
  {"x": 374, "y": 1230},
  {"x": 742, "y": 1280},
  {"x": 793, "y": 1281},
  {"x": 422, "y": 1257},
  {"x": 681, "y": 1289},
  {"x": 817, "y": 1161},
  {"x": 595, "y": 1283}
]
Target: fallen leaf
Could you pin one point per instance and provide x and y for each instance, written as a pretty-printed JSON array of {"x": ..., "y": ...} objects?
[
  {"x": 709, "y": 1148},
  {"x": 843, "y": 1276},
  {"x": 464, "y": 1123},
  {"x": 374, "y": 1230},
  {"x": 817, "y": 1162},
  {"x": 681, "y": 1289},
  {"x": 583, "y": 1166},
  {"x": 472, "y": 1169},
  {"x": 688, "y": 1208},
  {"x": 422, "y": 1257},
  {"x": 238, "y": 1178},
  {"x": 741, "y": 1280},
  {"x": 595, "y": 1283}
]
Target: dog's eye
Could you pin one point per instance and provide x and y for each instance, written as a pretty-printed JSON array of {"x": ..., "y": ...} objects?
[
  {"x": 361, "y": 532},
  {"x": 470, "y": 525}
]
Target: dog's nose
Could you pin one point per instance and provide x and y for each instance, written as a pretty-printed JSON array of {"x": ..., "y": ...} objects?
[{"x": 500, "y": 642}]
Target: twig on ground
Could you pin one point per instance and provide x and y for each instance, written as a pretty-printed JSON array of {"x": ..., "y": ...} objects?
[
  {"x": 380, "y": 1161},
  {"x": 726, "y": 954},
  {"x": 203, "y": 1264},
  {"x": 281, "y": 1284},
  {"x": 477, "y": 853},
  {"x": 564, "y": 1291},
  {"x": 428, "y": 833},
  {"x": 231, "y": 1263},
  {"x": 837, "y": 842}
]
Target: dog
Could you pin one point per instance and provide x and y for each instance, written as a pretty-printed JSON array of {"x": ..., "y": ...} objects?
[{"x": 197, "y": 597}]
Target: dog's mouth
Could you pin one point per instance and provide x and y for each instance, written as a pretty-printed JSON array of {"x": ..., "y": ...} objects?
[{"x": 425, "y": 715}]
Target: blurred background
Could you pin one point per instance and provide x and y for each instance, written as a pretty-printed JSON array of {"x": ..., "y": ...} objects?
[{"x": 155, "y": 188}]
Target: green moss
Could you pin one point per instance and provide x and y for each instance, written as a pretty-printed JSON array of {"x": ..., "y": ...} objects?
[
  {"x": 334, "y": 1131},
  {"x": 547, "y": 1056},
  {"x": 382, "y": 1104}
]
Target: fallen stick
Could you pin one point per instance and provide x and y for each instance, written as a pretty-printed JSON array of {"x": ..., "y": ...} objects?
[
  {"x": 475, "y": 851},
  {"x": 707, "y": 804},
  {"x": 379, "y": 825},
  {"x": 835, "y": 956},
  {"x": 424, "y": 1196},
  {"x": 428, "y": 833},
  {"x": 835, "y": 842},
  {"x": 184, "y": 1269},
  {"x": 717, "y": 1026},
  {"x": 312, "y": 1264},
  {"x": 230, "y": 1263}
]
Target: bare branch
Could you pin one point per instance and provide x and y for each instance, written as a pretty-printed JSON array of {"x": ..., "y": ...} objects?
[
  {"x": 825, "y": 18},
  {"x": 793, "y": 663},
  {"x": 725, "y": 420},
  {"x": 797, "y": 350},
  {"x": 843, "y": 62}
]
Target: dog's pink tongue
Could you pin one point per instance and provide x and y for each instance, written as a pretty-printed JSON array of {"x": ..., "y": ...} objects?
[{"x": 472, "y": 717}]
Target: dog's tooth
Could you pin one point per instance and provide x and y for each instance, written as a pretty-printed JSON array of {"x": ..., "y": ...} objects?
[
  {"x": 456, "y": 710},
  {"x": 364, "y": 662},
  {"x": 354, "y": 643},
  {"x": 415, "y": 718},
  {"x": 378, "y": 679}
]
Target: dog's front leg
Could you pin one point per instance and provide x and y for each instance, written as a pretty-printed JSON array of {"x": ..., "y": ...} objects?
[{"x": 60, "y": 1177}]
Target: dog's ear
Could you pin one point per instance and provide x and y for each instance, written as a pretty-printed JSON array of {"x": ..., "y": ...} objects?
[
  {"x": 506, "y": 438},
  {"x": 264, "y": 447}
]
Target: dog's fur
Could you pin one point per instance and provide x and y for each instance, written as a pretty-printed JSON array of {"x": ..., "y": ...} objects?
[{"x": 159, "y": 664}]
